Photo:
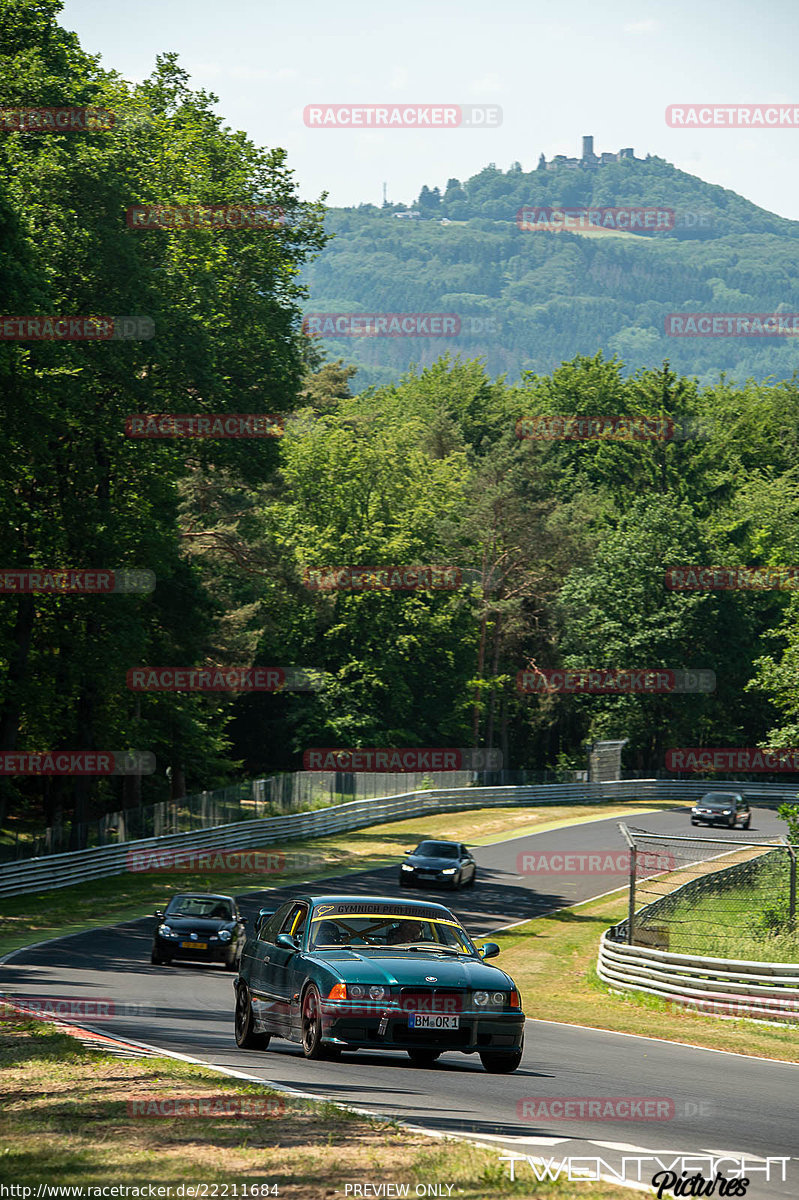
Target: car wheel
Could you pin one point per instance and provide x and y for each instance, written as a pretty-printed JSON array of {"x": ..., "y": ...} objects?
[
  {"x": 403, "y": 882},
  {"x": 155, "y": 957},
  {"x": 473, "y": 879},
  {"x": 500, "y": 1064},
  {"x": 232, "y": 963},
  {"x": 312, "y": 1024},
  {"x": 423, "y": 1058},
  {"x": 747, "y": 822},
  {"x": 731, "y": 822},
  {"x": 694, "y": 821},
  {"x": 246, "y": 1037}
]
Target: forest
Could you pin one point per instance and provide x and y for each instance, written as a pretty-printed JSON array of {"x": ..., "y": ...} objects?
[{"x": 559, "y": 547}]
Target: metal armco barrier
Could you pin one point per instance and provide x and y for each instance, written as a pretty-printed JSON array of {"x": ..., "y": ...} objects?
[
  {"x": 61, "y": 870},
  {"x": 719, "y": 986}
]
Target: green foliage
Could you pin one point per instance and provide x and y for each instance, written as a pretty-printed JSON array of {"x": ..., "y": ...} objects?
[{"x": 551, "y": 296}]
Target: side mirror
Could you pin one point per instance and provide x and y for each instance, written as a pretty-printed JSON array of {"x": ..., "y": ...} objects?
[
  {"x": 262, "y": 915},
  {"x": 489, "y": 950},
  {"x": 286, "y": 942}
]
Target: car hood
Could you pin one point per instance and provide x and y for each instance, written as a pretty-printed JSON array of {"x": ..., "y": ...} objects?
[
  {"x": 407, "y": 969},
  {"x": 197, "y": 924},
  {"x": 430, "y": 864}
]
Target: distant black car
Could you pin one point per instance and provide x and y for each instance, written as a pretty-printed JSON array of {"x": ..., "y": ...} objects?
[
  {"x": 200, "y": 926},
  {"x": 722, "y": 808},
  {"x": 446, "y": 863}
]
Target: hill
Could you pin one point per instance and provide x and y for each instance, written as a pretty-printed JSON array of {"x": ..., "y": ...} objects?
[{"x": 529, "y": 300}]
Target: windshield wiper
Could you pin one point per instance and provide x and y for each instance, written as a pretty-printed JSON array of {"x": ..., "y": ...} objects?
[{"x": 434, "y": 947}]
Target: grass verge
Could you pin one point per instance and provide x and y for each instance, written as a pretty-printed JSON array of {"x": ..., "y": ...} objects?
[
  {"x": 553, "y": 960},
  {"x": 42, "y": 915},
  {"x": 66, "y": 1120}
]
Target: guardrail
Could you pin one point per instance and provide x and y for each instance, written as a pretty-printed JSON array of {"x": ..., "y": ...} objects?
[
  {"x": 61, "y": 870},
  {"x": 721, "y": 986},
  {"x": 99, "y": 862}
]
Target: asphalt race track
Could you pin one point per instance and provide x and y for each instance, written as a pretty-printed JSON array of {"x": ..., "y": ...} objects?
[{"x": 723, "y": 1103}]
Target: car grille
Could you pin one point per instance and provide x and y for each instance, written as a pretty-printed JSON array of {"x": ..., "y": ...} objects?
[{"x": 431, "y": 1000}]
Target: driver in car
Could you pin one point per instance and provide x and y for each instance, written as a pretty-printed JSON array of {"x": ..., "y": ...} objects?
[{"x": 403, "y": 932}]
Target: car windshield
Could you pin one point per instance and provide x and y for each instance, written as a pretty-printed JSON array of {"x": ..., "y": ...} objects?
[
  {"x": 718, "y": 801},
  {"x": 437, "y": 850},
  {"x": 388, "y": 932},
  {"x": 200, "y": 906}
]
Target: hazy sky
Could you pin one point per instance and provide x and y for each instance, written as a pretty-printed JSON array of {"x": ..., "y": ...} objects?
[{"x": 558, "y": 70}]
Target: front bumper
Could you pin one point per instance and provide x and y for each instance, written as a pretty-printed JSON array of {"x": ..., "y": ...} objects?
[
  {"x": 390, "y": 1030},
  {"x": 417, "y": 878},
  {"x": 171, "y": 948},
  {"x": 713, "y": 818}
]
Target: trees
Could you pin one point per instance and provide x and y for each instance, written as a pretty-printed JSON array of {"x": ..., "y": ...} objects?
[{"x": 77, "y": 492}]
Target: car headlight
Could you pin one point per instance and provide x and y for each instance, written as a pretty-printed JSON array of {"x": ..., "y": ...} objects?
[
  {"x": 224, "y": 935},
  {"x": 165, "y": 931},
  {"x": 449, "y": 871},
  {"x": 499, "y": 999},
  {"x": 481, "y": 998},
  {"x": 376, "y": 992},
  {"x": 406, "y": 867},
  {"x": 356, "y": 991}
]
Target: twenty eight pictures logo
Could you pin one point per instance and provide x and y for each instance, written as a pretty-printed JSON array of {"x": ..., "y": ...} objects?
[
  {"x": 76, "y": 583},
  {"x": 401, "y": 759},
  {"x": 402, "y": 116},
  {"x": 78, "y": 762},
  {"x": 204, "y": 425}
]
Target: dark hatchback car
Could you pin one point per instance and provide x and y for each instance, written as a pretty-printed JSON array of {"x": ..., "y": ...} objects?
[
  {"x": 365, "y": 972},
  {"x": 447, "y": 863},
  {"x": 722, "y": 808},
  {"x": 200, "y": 926}
]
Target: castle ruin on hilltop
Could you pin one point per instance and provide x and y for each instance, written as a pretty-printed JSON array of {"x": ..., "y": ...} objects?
[{"x": 589, "y": 159}]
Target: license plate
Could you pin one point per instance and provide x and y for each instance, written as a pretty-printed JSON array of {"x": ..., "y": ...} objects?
[
  {"x": 194, "y": 945},
  {"x": 432, "y": 1021},
  {"x": 426, "y": 874}
]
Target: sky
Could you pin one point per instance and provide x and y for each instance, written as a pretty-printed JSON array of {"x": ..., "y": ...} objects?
[{"x": 557, "y": 72}]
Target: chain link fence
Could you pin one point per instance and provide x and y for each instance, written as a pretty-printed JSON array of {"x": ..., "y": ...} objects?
[
  {"x": 723, "y": 896},
  {"x": 252, "y": 799}
]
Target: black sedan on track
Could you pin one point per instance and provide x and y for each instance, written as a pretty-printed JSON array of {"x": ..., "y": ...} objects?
[
  {"x": 448, "y": 864},
  {"x": 364, "y": 972},
  {"x": 200, "y": 926},
  {"x": 722, "y": 808}
]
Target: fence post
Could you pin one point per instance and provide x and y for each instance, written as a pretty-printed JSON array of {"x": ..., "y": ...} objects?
[
  {"x": 631, "y": 901},
  {"x": 792, "y": 900}
]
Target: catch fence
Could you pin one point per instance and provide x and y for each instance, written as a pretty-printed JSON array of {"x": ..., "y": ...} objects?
[{"x": 722, "y": 896}]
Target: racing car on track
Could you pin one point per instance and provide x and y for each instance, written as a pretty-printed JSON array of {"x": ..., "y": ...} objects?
[
  {"x": 355, "y": 972},
  {"x": 201, "y": 926}
]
